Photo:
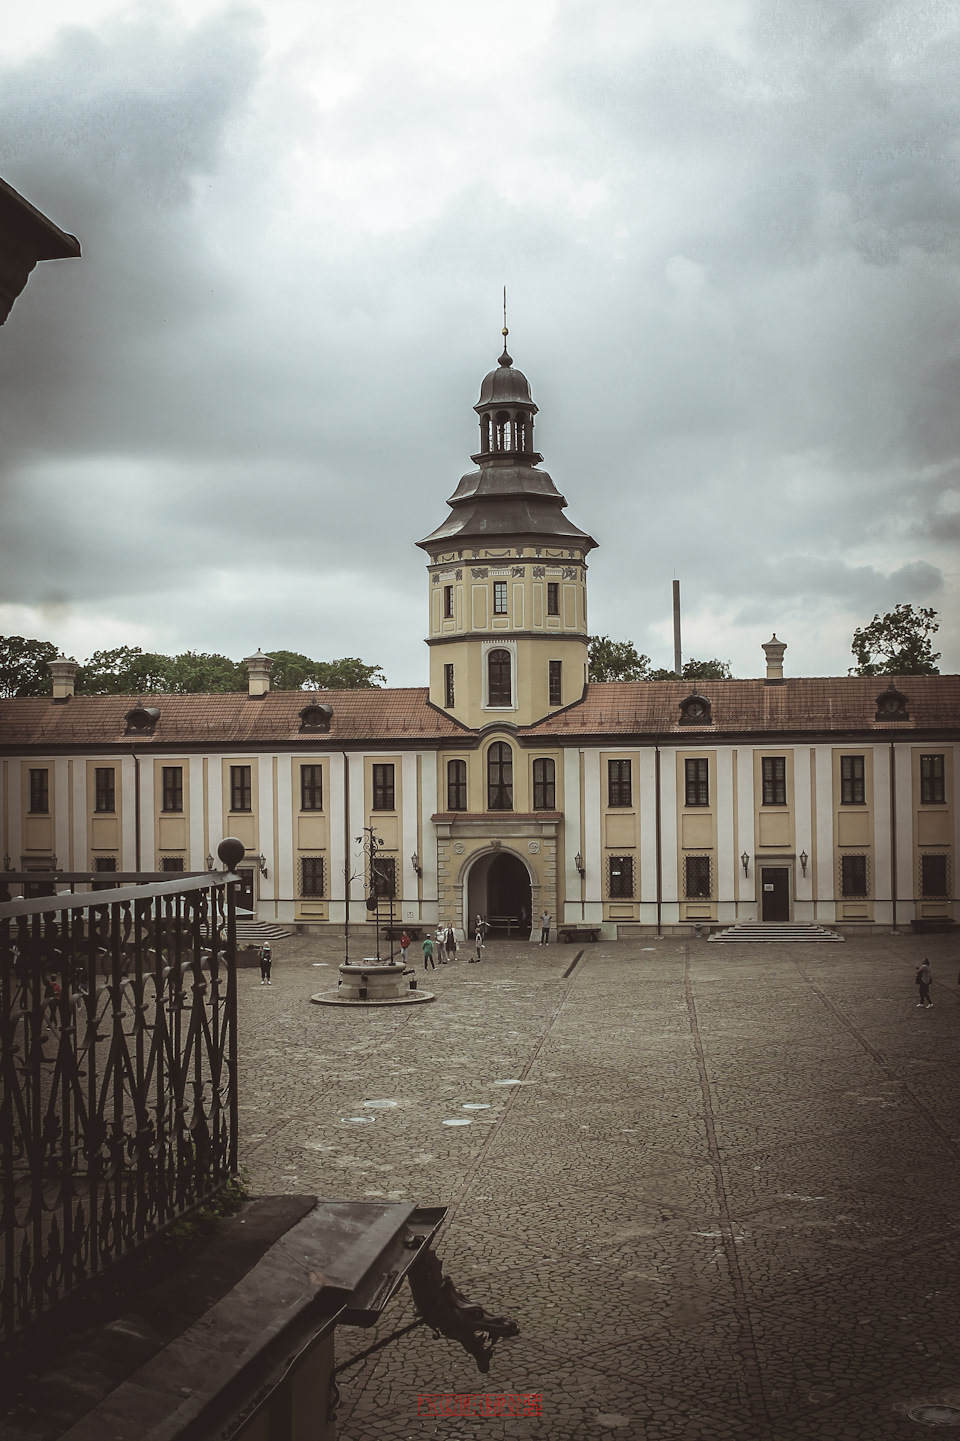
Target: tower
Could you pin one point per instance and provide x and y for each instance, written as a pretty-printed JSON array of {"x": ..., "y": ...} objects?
[{"x": 508, "y": 595}]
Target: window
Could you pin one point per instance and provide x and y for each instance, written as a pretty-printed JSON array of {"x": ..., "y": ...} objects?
[
  {"x": 171, "y": 863},
  {"x": 171, "y": 788},
  {"x": 104, "y": 863},
  {"x": 851, "y": 781},
  {"x": 697, "y": 776},
  {"x": 774, "y": 780},
  {"x": 311, "y": 877},
  {"x": 934, "y": 880},
  {"x": 621, "y": 878},
  {"x": 447, "y": 602},
  {"x": 931, "y": 780},
  {"x": 499, "y": 597},
  {"x": 499, "y": 777},
  {"x": 448, "y": 685},
  {"x": 556, "y": 682},
  {"x": 499, "y": 680},
  {"x": 39, "y": 792},
  {"x": 544, "y": 785},
  {"x": 384, "y": 877},
  {"x": 311, "y": 788},
  {"x": 697, "y": 878},
  {"x": 456, "y": 785},
  {"x": 103, "y": 789},
  {"x": 240, "y": 793},
  {"x": 853, "y": 873},
  {"x": 619, "y": 788},
  {"x": 553, "y": 597},
  {"x": 383, "y": 798}
]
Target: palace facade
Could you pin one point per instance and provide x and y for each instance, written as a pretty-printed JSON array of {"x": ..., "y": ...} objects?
[{"x": 511, "y": 784}]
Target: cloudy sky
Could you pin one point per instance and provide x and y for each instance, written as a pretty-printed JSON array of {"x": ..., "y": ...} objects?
[{"x": 730, "y": 231}]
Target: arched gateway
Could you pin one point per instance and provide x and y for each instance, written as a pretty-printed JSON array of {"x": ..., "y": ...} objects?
[{"x": 498, "y": 887}]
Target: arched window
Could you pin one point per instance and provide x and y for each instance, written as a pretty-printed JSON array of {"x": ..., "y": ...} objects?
[
  {"x": 456, "y": 785},
  {"x": 499, "y": 777},
  {"x": 544, "y": 785},
  {"x": 499, "y": 679}
]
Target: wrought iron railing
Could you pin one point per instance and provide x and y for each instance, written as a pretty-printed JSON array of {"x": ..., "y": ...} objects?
[{"x": 118, "y": 1087}]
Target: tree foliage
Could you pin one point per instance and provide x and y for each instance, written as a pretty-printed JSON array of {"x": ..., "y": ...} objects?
[
  {"x": 897, "y": 643},
  {"x": 23, "y": 666},
  {"x": 696, "y": 670},
  {"x": 616, "y": 660},
  {"x": 293, "y": 671}
]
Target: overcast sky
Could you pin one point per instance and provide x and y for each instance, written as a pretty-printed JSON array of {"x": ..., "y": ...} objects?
[{"x": 731, "y": 238}]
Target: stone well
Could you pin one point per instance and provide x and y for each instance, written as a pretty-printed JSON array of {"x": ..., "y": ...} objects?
[{"x": 374, "y": 983}]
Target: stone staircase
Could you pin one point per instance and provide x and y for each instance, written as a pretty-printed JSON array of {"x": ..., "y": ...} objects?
[
  {"x": 781, "y": 931},
  {"x": 251, "y": 932}
]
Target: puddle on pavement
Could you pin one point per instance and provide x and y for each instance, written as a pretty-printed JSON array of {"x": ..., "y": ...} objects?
[
  {"x": 459, "y": 1121},
  {"x": 381, "y": 1105},
  {"x": 475, "y": 1106},
  {"x": 510, "y": 1083},
  {"x": 358, "y": 1120}
]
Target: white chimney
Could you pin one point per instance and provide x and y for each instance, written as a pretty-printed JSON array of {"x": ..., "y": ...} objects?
[
  {"x": 773, "y": 650},
  {"x": 258, "y": 667},
  {"x": 64, "y": 671}
]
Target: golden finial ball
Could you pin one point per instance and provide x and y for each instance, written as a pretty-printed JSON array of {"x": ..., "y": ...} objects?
[{"x": 504, "y": 331}]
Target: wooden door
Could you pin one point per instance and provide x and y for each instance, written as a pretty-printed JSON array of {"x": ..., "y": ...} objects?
[{"x": 775, "y": 883}]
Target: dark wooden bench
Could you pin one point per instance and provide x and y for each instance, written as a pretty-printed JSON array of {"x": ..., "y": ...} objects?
[
  {"x": 393, "y": 933},
  {"x": 578, "y": 933}
]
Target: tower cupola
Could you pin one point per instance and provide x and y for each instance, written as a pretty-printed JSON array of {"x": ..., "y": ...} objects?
[{"x": 506, "y": 412}]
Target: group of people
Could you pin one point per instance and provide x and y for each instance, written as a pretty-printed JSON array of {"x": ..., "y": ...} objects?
[{"x": 444, "y": 941}]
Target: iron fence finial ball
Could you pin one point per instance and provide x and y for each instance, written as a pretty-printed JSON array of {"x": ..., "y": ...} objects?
[{"x": 231, "y": 852}]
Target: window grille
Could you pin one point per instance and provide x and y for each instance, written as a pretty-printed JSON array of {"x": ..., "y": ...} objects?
[
  {"x": 39, "y": 792},
  {"x": 456, "y": 785},
  {"x": 448, "y": 685},
  {"x": 774, "y": 780},
  {"x": 500, "y": 684},
  {"x": 854, "y": 880},
  {"x": 556, "y": 682},
  {"x": 934, "y": 877},
  {"x": 500, "y": 777},
  {"x": 311, "y": 877},
  {"x": 553, "y": 597},
  {"x": 619, "y": 784},
  {"x": 104, "y": 863},
  {"x": 697, "y": 880},
  {"x": 311, "y": 788},
  {"x": 697, "y": 778},
  {"x": 544, "y": 785},
  {"x": 852, "y": 791},
  {"x": 171, "y": 788},
  {"x": 171, "y": 863},
  {"x": 621, "y": 878},
  {"x": 499, "y": 597},
  {"x": 931, "y": 780},
  {"x": 104, "y": 793},
  {"x": 384, "y": 877},
  {"x": 383, "y": 792},
  {"x": 241, "y": 793}
]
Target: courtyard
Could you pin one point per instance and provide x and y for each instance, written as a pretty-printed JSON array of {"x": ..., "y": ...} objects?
[{"x": 716, "y": 1185}]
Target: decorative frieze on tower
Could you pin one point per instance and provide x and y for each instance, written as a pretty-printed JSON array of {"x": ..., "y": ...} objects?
[{"x": 508, "y": 576}]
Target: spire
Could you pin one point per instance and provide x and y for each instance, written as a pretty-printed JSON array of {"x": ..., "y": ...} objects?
[{"x": 505, "y": 359}]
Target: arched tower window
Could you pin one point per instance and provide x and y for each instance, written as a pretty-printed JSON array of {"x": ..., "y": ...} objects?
[
  {"x": 456, "y": 785},
  {"x": 544, "y": 785},
  {"x": 499, "y": 777},
  {"x": 499, "y": 679}
]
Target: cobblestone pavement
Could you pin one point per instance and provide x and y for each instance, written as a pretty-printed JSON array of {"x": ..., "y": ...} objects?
[{"x": 720, "y": 1195}]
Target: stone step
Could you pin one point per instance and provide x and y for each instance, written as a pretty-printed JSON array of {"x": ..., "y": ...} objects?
[
  {"x": 250, "y": 932},
  {"x": 775, "y": 931}
]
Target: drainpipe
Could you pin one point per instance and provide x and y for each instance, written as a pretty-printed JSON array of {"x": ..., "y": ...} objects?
[
  {"x": 136, "y": 805},
  {"x": 659, "y": 843},
  {"x": 893, "y": 833},
  {"x": 346, "y": 859}
]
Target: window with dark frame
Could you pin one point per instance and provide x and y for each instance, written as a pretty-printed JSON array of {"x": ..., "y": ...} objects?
[
  {"x": 553, "y": 597},
  {"x": 499, "y": 597},
  {"x": 696, "y": 878},
  {"x": 697, "y": 781},
  {"x": 171, "y": 788},
  {"x": 448, "y": 684},
  {"x": 383, "y": 792},
  {"x": 456, "y": 785},
  {"x": 852, "y": 791},
  {"x": 499, "y": 777},
  {"x": 934, "y": 877},
  {"x": 621, "y": 878},
  {"x": 447, "y": 602},
  {"x": 39, "y": 792},
  {"x": 311, "y": 877},
  {"x": 499, "y": 678},
  {"x": 544, "y": 784},
  {"x": 311, "y": 788},
  {"x": 556, "y": 682},
  {"x": 932, "y": 790},
  {"x": 619, "y": 784},
  {"x": 104, "y": 792},
  {"x": 171, "y": 863},
  {"x": 384, "y": 877},
  {"x": 774, "y": 770},
  {"x": 241, "y": 793}
]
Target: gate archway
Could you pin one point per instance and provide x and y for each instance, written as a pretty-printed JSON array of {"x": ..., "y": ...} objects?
[{"x": 499, "y": 888}]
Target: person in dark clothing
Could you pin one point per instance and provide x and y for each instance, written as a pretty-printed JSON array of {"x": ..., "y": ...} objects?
[
  {"x": 450, "y": 943},
  {"x": 266, "y": 961},
  {"x": 924, "y": 981}
]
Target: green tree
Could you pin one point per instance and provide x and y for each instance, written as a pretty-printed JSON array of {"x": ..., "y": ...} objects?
[
  {"x": 126, "y": 670},
  {"x": 198, "y": 672},
  {"x": 23, "y": 666},
  {"x": 696, "y": 670},
  {"x": 616, "y": 660},
  {"x": 897, "y": 643},
  {"x": 293, "y": 671}
]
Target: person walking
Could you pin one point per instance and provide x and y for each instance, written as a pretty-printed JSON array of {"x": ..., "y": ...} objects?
[
  {"x": 480, "y": 926},
  {"x": 266, "y": 961},
  {"x": 450, "y": 944},
  {"x": 478, "y": 943},
  {"x": 404, "y": 947},
  {"x": 428, "y": 954},
  {"x": 924, "y": 981},
  {"x": 545, "y": 929}
]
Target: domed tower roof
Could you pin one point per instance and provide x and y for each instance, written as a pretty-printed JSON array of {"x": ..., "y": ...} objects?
[{"x": 508, "y": 500}]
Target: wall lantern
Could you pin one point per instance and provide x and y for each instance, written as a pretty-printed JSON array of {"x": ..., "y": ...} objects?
[
  {"x": 578, "y": 862},
  {"x": 209, "y": 863},
  {"x": 745, "y": 862},
  {"x": 6, "y": 864},
  {"x": 262, "y": 863},
  {"x": 415, "y": 862},
  {"x": 804, "y": 858}
]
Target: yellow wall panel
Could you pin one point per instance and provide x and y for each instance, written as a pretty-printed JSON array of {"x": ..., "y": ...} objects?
[
  {"x": 312, "y": 833},
  {"x": 853, "y": 828},
  {"x": 697, "y": 831}
]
